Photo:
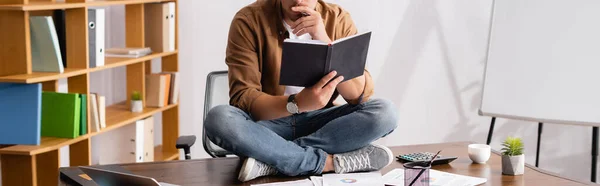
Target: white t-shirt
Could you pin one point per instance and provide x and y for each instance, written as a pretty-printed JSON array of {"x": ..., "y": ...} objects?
[{"x": 289, "y": 90}]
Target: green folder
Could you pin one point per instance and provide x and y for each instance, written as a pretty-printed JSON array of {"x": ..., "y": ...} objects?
[
  {"x": 60, "y": 115},
  {"x": 83, "y": 118}
]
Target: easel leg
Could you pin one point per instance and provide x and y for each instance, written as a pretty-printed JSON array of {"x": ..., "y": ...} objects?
[
  {"x": 491, "y": 132},
  {"x": 594, "y": 152},
  {"x": 539, "y": 139}
]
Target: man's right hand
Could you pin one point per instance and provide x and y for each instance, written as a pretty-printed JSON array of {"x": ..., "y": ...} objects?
[{"x": 317, "y": 96}]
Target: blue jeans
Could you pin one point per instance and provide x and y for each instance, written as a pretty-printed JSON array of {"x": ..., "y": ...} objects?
[{"x": 299, "y": 144}]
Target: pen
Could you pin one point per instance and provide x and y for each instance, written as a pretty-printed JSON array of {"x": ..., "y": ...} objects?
[{"x": 423, "y": 170}]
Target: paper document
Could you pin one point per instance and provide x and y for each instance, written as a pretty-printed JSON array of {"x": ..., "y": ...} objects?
[
  {"x": 437, "y": 178},
  {"x": 354, "y": 179},
  {"x": 317, "y": 180},
  {"x": 304, "y": 182},
  {"x": 166, "y": 184}
]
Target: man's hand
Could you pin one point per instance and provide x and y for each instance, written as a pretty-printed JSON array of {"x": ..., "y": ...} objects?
[
  {"x": 317, "y": 96},
  {"x": 310, "y": 23}
]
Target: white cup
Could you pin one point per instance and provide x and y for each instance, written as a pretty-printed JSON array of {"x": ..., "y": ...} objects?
[{"x": 479, "y": 153}]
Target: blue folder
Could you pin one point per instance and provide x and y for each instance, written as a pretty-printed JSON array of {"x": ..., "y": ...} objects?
[{"x": 20, "y": 113}]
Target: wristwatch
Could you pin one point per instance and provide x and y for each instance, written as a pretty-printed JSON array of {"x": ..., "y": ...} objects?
[{"x": 291, "y": 106}]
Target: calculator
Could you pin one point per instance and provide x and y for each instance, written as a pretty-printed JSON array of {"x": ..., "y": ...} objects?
[{"x": 426, "y": 156}]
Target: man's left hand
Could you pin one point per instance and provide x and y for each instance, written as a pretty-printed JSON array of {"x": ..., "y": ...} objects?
[{"x": 311, "y": 23}]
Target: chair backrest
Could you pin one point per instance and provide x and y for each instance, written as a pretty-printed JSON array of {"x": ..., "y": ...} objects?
[{"x": 217, "y": 93}]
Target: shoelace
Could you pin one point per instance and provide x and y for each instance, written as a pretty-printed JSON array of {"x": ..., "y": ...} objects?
[
  {"x": 264, "y": 169},
  {"x": 357, "y": 162}
]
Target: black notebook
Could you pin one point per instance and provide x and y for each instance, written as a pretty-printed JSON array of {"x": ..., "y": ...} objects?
[{"x": 305, "y": 62}]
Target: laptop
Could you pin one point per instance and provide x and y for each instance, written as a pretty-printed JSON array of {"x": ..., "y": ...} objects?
[{"x": 109, "y": 178}]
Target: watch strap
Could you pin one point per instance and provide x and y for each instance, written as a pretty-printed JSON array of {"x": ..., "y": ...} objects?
[{"x": 292, "y": 98}]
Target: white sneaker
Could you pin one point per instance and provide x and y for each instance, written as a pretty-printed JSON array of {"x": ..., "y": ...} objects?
[
  {"x": 369, "y": 158},
  {"x": 253, "y": 169}
]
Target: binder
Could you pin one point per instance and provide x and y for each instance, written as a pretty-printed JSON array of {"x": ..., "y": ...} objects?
[
  {"x": 139, "y": 141},
  {"x": 102, "y": 110},
  {"x": 174, "y": 87},
  {"x": 60, "y": 114},
  {"x": 171, "y": 25},
  {"x": 167, "y": 90},
  {"x": 144, "y": 140},
  {"x": 148, "y": 152},
  {"x": 96, "y": 33},
  {"x": 157, "y": 90},
  {"x": 135, "y": 142},
  {"x": 20, "y": 126},
  {"x": 45, "y": 50},
  {"x": 83, "y": 118},
  {"x": 61, "y": 32},
  {"x": 95, "y": 117},
  {"x": 160, "y": 26}
]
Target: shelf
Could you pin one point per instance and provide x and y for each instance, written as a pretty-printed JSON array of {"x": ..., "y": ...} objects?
[
  {"x": 117, "y": 116},
  {"x": 37, "y": 77},
  {"x": 160, "y": 155},
  {"x": 33, "y": 6},
  {"x": 110, "y": 62},
  {"x": 113, "y": 62}
]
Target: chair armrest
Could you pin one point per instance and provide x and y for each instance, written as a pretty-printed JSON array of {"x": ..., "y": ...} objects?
[{"x": 185, "y": 141}]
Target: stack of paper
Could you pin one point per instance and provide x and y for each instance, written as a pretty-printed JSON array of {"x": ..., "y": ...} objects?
[
  {"x": 304, "y": 182},
  {"x": 438, "y": 178},
  {"x": 128, "y": 52},
  {"x": 354, "y": 179}
]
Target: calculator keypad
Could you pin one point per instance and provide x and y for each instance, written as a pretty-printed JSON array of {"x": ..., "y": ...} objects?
[{"x": 419, "y": 156}]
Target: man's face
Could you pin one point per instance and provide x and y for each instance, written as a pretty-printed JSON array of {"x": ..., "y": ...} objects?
[{"x": 288, "y": 4}]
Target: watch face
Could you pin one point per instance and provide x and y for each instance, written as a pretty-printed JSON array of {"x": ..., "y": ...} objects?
[{"x": 292, "y": 108}]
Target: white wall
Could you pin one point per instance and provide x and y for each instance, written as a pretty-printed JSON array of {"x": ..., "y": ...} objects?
[{"x": 426, "y": 55}]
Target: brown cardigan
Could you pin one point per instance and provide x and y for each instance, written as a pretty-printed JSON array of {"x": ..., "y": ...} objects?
[{"x": 254, "y": 50}]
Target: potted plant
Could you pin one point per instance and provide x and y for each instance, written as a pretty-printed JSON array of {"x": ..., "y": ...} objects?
[
  {"x": 513, "y": 160},
  {"x": 136, "y": 102}
]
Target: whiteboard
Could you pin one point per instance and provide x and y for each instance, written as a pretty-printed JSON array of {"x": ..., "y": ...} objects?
[{"x": 543, "y": 61}]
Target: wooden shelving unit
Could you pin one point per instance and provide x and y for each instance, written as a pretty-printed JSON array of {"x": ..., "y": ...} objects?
[{"x": 38, "y": 165}]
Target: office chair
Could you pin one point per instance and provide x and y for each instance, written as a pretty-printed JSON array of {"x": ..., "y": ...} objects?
[
  {"x": 217, "y": 93},
  {"x": 185, "y": 143}
]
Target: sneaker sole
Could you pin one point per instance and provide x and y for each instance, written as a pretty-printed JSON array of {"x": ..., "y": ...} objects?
[
  {"x": 388, "y": 151},
  {"x": 246, "y": 168}
]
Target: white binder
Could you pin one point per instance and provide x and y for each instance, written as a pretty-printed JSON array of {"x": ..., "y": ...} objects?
[
  {"x": 96, "y": 33},
  {"x": 171, "y": 14}
]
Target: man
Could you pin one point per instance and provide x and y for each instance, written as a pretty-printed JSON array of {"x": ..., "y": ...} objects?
[{"x": 295, "y": 130}]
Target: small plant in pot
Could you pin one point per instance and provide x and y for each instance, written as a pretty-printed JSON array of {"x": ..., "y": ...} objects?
[
  {"x": 136, "y": 102},
  {"x": 513, "y": 160}
]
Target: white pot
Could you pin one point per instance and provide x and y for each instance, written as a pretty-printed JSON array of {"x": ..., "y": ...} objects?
[
  {"x": 136, "y": 106},
  {"x": 513, "y": 165}
]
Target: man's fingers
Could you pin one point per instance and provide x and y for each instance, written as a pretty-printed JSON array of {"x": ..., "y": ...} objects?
[
  {"x": 325, "y": 79},
  {"x": 297, "y": 22},
  {"x": 304, "y": 31},
  {"x": 333, "y": 84},
  {"x": 303, "y": 21},
  {"x": 305, "y": 24},
  {"x": 303, "y": 9}
]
